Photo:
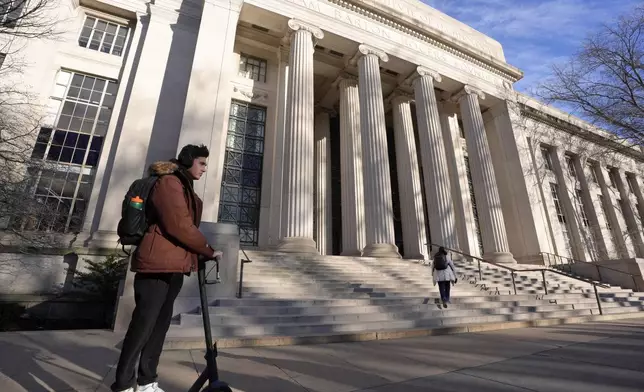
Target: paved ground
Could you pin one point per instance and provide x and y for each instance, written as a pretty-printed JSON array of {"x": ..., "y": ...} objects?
[{"x": 591, "y": 357}]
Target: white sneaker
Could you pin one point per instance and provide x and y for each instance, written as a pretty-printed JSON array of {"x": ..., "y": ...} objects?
[
  {"x": 154, "y": 387},
  {"x": 128, "y": 390}
]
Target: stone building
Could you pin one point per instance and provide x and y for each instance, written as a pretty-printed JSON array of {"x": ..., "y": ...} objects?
[{"x": 347, "y": 127}]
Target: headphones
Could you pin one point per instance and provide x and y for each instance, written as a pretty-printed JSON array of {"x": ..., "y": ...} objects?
[{"x": 185, "y": 158}]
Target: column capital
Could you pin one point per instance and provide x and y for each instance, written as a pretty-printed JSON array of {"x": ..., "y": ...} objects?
[
  {"x": 468, "y": 90},
  {"x": 399, "y": 97},
  {"x": 345, "y": 79},
  {"x": 296, "y": 25},
  {"x": 419, "y": 72},
  {"x": 424, "y": 71},
  {"x": 365, "y": 50}
]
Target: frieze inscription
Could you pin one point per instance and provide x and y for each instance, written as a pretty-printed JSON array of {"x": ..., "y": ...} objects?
[{"x": 399, "y": 38}]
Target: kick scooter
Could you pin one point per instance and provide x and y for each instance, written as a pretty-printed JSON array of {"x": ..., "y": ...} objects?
[{"x": 210, "y": 374}]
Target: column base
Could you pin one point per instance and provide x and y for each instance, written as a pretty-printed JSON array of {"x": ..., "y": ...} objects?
[
  {"x": 500, "y": 257},
  {"x": 419, "y": 256},
  {"x": 381, "y": 251},
  {"x": 297, "y": 245},
  {"x": 351, "y": 253}
]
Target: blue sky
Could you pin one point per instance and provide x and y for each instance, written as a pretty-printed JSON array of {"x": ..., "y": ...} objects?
[{"x": 535, "y": 33}]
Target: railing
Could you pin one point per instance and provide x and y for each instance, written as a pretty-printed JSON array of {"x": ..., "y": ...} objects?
[
  {"x": 570, "y": 262},
  {"x": 558, "y": 259},
  {"x": 543, "y": 271},
  {"x": 244, "y": 261}
]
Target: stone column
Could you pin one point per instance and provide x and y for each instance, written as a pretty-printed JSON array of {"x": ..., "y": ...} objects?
[
  {"x": 297, "y": 216},
  {"x": 610, "y": 213},
  {"x": 209, "y": 93},
  {"x": 411, "y": 195},
  {"x": 495, "y": 241},
  {"x": 600, "y": 249},
  {"x": 639, "y": 196},
  {"x": 132, "y": 155},
  {"x": 632, "y": 224},
  {"x": 379, "y": 216},
  {"x": 103, "y": 170},
  {"x": 442, "y": 223},
  {"x": 566, "y": 198},
  {"x": 466, "y": 225},
  {"x": 323, "y": 217},
  {"x": 277, "y": 188},
  {"x": 352, "y": 186}
]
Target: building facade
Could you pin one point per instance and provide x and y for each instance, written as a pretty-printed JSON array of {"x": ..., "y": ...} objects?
[{"x": 354, "y": 127}]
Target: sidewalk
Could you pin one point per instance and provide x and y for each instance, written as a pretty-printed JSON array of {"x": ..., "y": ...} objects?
[{"x": 574, "y": 358}]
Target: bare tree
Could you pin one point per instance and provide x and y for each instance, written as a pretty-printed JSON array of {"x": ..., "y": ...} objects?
[
  {"x": 21, "y": 112},
  {"x": 26, "y": 19},
  {"x": 604, "y": 81}
]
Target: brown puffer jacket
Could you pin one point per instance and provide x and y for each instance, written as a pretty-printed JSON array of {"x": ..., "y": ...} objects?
[{"x": 173, "y": 239}]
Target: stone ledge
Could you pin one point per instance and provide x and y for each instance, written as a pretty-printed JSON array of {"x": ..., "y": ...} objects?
[{"x": 194, "y": 343}]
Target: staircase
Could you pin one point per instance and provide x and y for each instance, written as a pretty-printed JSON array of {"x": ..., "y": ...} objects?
[
  {"x": 614, "y": 299},
  {"x": 291, "y": 299}
]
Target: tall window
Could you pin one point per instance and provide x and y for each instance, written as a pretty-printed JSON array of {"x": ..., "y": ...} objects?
[
  {"x": 593, "y": 173},
  {"x": 620, "y": 208},
  {"x": 66, "y": 154},
  {"x": 10, "y": 12},
  {"x": 547, "y": 161},
  {"x": 630, "y": 179},
  {"x": 241, "y": 184},
  {"x": 570, "y": 164},
  {"x": 104, "y": 36},
  {"x": 554, "y": 190},
  {"x": 252, "y": 67},
  {"x": 475, "y": 211},
  {"x": 604, "y": 206},
  {"x": 581, "y": 208},
  {"x": 602, "y": 201},
  {"x": 612, "y": 177}
]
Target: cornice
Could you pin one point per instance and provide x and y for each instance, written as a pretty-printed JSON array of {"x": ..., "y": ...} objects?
[
  {"x": 497, "y": 67},
  {"x": 578, "y": 131}
]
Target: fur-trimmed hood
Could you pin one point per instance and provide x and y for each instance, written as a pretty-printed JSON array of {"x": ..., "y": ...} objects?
[{"x": 162, "y": 168}]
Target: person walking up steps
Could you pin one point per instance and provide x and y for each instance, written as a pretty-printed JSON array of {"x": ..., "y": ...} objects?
[{"x": 444, "y": 273}]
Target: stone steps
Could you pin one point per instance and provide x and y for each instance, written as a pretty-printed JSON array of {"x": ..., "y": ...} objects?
[
  {"x": 192, "y": 320},
  {"x": 362, "y": 309},
  {"x": 428, "y": 320},
  {"x": 290, "y": 299}
]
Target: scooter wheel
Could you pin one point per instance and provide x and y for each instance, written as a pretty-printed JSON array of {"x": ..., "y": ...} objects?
[{"x": 218, "y": 387}]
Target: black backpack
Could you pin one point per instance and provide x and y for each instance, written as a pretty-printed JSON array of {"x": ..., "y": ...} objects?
[
  {"x": 440, "y": 261},
  {"x": 134, "y": 215}
]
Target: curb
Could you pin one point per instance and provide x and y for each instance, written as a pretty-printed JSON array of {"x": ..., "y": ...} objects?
[{"x": 195, "y": 343}]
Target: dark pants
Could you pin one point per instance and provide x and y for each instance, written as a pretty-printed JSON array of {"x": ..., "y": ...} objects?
[
  {"x": 154, "y": 295},
  {"x": 444, "y": 288}
]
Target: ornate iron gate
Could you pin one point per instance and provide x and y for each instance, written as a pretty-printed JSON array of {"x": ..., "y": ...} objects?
[{"x": 241, "y": 183}]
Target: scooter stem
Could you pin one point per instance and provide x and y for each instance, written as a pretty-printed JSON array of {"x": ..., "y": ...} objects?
[{"x": 211, "y": 349}]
